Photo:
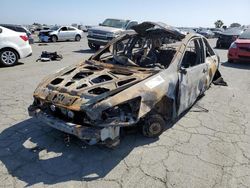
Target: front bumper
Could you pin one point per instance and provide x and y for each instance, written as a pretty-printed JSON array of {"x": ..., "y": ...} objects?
[
  {"x": 97, "y": 41},
  {"x": 44, "y": 38},
  {"x": 91, "y": 134}
]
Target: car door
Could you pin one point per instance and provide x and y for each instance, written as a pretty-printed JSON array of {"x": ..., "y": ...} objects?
[
  {"x": 63, "y": 33},
  {"x": 71, "y": 33},
  {"x": 192, "y": 74}
]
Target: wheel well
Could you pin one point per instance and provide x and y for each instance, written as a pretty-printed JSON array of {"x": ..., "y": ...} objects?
[
  {"x": 78, "y": 35},
  {"x": 8, "y": 48},
  {"x": 54, "y": 36}
]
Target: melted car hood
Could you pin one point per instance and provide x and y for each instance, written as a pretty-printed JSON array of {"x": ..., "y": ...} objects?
[{"x": 89, "y": 82}]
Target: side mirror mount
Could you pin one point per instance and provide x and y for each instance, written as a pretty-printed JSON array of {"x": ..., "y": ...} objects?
[
  {"x": 183, "y": 70},
  {"x": 100, "y": 24}
]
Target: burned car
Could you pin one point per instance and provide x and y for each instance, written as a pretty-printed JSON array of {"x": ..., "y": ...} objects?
[{"x": 146, "y": 78}]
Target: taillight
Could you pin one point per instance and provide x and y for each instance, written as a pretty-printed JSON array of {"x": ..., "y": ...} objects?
[{"x": 24, "y": 37}]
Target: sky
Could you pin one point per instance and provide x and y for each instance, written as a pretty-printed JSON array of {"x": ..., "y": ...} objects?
[{"x": 189, "y": 13}]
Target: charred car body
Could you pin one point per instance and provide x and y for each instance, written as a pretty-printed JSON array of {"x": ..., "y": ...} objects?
[{"x": 148, "y": 77}]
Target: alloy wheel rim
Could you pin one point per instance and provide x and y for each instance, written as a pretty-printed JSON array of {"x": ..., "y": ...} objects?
[{"x": 8, "y": 57}]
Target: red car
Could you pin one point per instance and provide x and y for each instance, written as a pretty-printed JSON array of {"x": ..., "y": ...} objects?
[{"x": 240, "y": 49}]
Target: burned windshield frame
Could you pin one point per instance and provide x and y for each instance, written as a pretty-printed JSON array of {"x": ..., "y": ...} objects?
[{"x": 155, "y": 49}]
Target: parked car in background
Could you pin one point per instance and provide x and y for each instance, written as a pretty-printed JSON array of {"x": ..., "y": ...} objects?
[
  {"x": 61, "y": 33},
  {"x": 13, "y": 46},
  {"x": 186, "y": 31},
  {"x": 106, "y": 31},
  {"x": 217, "y": 31},
  {"x": 21, "y": 29},
  {"x": 226, "y": 38},
  {"x": 206, "y": 33},
  {"x": 240, "y": 49},
  {"x": 146, "y": 78}
]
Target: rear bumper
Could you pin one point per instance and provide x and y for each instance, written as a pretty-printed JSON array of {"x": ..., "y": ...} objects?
[
  {"x": 91, "y": 134},
  {"x": 238, "y": 55},
  {"x": 44, "y": 38}
]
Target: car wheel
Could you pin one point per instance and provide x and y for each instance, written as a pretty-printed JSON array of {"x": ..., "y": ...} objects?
[
  {"x": 153, "y": 126},
  {"x": 77, "y": 38},
  {"x": 8, "y": 57},
  {"x": 54, "y": 38},
  {"x": 94, "y": 46}
]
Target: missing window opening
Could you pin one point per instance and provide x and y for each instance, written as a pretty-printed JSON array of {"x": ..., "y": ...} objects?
[
  {"x": 81, "y": 75},
  {"x": 98, "y": 90},
  {"x": 102, "y": 78},
  {"x": 69, "y": 84},
  {"x": 56, "y": 81},
  {"x": 81, "y": 86},
  {"x": 123, "y": 82}
]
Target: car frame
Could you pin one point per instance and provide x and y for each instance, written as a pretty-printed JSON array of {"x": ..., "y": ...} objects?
[{"x": 111, "y": 97}]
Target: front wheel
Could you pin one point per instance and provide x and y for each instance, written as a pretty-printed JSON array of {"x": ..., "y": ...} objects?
[
  {"x": 78, "y": 38},
  {"x": 94, "y": 46},
  {"x": 54, "y": 38},
  {"x": 153, "y": 126},
  {"x": 8, "y": 58}
]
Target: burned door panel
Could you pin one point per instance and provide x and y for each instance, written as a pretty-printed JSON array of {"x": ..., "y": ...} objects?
[{"x": 192, "y": 74}]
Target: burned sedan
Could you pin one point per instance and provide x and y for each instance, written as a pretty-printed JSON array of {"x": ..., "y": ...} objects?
[{"x": 146, "y": 78}]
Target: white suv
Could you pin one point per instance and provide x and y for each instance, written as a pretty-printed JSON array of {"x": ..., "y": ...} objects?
[
  {"x": 13, "y": 46},
  {"x": 60, "y": 34}
]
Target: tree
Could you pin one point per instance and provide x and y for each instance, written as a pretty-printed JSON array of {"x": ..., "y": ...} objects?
[
  {"x": 235, "y": 25},
  {"x": 218, "y": 23}
]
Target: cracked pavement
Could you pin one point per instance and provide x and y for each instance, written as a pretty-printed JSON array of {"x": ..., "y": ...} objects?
[{"x": 203, "y": 149}]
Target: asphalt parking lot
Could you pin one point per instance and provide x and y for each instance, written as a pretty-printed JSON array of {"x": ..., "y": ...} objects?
[{"x": 208, "y": 147}]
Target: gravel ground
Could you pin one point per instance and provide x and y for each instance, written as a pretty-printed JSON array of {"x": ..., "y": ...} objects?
[{"x": 203, "y": 149}]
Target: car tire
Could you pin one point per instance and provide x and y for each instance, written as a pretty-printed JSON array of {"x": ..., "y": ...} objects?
[
  {"x": 54, "y": 38},
  {"x": 77, "y": 38},
  {"x": 8, "y": 57},
  {"x": 94, "y": 46},
  {"x": 153, "y": 126}
]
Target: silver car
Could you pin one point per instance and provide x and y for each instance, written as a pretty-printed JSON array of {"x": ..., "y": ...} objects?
[{"x": 62, "y": 33}]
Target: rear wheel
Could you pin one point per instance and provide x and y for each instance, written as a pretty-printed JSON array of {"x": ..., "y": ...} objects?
[
  {"x": 77, "y": 38},
  {"x": 8, "y": 57},
  {"x": 53, "y": 38},
  {"x": 153, "y": 126},
  {"x": 94, "y": 46}
]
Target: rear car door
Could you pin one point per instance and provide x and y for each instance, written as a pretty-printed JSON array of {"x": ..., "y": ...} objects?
[
  {"x": 63, "y": 33},
  {"x": 71, "y": 33},
  {"x": 192, "y": 74}
]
